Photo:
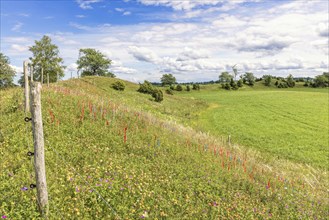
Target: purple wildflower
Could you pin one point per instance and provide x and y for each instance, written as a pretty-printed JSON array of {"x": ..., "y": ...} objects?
[
  {"x": 24, "y": 188},
  {"x": 122, "y": 188},
  {"x": 4, "y": 216},
  {"x": 99, "y": 184},
  {"x": 77, "y": 189}
]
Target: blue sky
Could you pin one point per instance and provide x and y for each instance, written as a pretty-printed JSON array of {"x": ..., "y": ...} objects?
[{"x": 192, "y": 39}]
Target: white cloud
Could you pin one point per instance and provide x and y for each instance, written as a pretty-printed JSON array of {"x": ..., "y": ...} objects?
[
  {"x": 143, "y": 54},
  {"x": 119, "y": 9},
  {"x": 19, "y": 48},
  {"x": 17, "y": 27},
  {"x": 86, "y": 4},
  {"x": 126, "y": 13},
  {"x": 80, "y": 16}
]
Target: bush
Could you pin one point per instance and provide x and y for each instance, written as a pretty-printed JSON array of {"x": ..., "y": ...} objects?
[
  {"x": 306, "y": 84},
  {"x": 227, "y": 86},
  {"x": 169, "y": 92},
  {"x": 240, "y": 83},
  {"x": 267, "y": 80},
  {"x": 188, "y": 88},
  {"x": 157, "y": 95},
  {"x": 146, "y": 87},
  {"x": 172, "y": 87},
  {"x": 179, "y": 87},
  {"x": 276, "y": 83},
  {"x": 196, "y": 87},
  {"x": 118, "y": 85}
]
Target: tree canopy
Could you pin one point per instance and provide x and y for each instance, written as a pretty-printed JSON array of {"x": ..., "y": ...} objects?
[
  {"x": 46, "y": 60},
  {"x": 93, "y": 63},
  {"x": 249, "y": 78},
  {"x": 168, "y": 79},
  {"x": 225, "y": 77},
  {"x": 7, "y": 73}
]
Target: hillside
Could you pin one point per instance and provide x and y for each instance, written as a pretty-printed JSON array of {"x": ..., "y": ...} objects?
[{"x": 119, "y": 155}]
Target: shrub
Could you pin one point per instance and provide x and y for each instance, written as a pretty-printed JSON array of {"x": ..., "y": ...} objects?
[
  {"x": 306, "y": 84},
  {"x": 240, "y": 83},
  {"x": 227, "y": 86},
  {"x": 169, "y": 92},
  {"x": 276, "y": 83},
  {"x": 179, "y": 87},
  {"x": 157, "y": 95},
  {"x": 119, "y": 85},
  {"x": 172, "y": 87},
  {"x": 146, "y": 87},
  {"x": 267, "y": 80},
  {"x": 188, "y": 88},
  {"x": 196, "y": 87}
]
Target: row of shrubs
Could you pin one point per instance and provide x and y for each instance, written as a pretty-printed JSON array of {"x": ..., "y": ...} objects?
[{"x": 232, "y": 85}]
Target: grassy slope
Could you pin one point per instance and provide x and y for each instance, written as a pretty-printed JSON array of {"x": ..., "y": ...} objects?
[
  {"x": 287, "y": 123},
  {"x": 163, "y": 171}
]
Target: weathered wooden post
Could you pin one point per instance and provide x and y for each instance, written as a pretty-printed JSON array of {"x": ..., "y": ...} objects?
[
  {"x": 39, "y": 154},
  {"x": 26, "y": 88},
  {"x": 31, "y": 73}
]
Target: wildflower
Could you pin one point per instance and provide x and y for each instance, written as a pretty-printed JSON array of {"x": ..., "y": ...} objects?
[
  {"x": 24, "y": 188},
  {"x": 77, "y": 189},
  {"x": 4, "y": 216}
]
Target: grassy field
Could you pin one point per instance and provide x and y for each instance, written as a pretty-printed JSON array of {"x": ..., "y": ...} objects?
[
  {"x": 161, "y": 170},
  {"x": 286, "y": 123}
]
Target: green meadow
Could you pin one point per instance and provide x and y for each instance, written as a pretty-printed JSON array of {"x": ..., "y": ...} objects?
[
  {"x": 284, "y": 123},
  {"x": 120, "y": 155}
]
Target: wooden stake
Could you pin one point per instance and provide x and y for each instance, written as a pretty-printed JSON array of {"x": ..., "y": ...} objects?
[
  {"x": 26, "y": 88},
  {"x": 39, "y": 155}
]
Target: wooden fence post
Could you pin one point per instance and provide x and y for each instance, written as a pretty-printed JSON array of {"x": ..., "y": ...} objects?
[
  {"x": 26, "y": 88},
  {"x": 39, "y": 154},
  {"x": 31, "y": 73}
]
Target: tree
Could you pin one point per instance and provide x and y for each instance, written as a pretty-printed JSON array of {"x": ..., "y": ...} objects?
[
  {"x": 225, "y": 77},
  {"x": 267, "y": 80},
  {"x": 93, "y": 63},
  {"x": 249, "y": 78},
  {"x": 46, "y": 60},
  {"x": 7, "y": 73},
  {"x": 290, "y": 81},
  {"x": 321, "y": 80},
  {"x": 168, "y": 79}
]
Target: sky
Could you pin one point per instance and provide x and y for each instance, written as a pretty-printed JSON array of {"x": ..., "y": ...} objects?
[{"x": 195, "y": 40}]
